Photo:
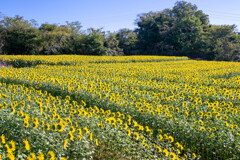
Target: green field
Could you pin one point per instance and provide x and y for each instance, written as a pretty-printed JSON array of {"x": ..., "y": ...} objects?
[{"x": 129, "y": 107}]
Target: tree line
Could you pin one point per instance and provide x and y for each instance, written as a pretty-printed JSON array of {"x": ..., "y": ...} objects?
[{"x": 183, "y": 30}]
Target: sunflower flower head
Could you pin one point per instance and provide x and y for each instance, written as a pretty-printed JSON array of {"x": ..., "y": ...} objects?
[{"x": 27, "y": 146}]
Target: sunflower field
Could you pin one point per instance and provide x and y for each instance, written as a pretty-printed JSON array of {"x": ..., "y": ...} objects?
[{"x": 129, "y": 107}]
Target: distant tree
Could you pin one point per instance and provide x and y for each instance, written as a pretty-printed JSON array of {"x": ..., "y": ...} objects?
[
  {"x": 2, "y": 34},
  {"x": 33, "y": 23},
  {"x": 55, "y": 38},
  {"x": 127, "y": 40},
  {"x": 223, "y": 43},
  {"x": 183, "y": 30},
  {"x": 75, "y": 37},
  {"x": 48, "y": 27},
  {"x": 93, "y": 42},
  {"x": 75, "y": 27},
  {"x": 90, "y": 43},
  {"x": 153, "y": 31},
  {"x": 189, "y": 28},
  {"x": 19, "y": 36},
  {"x": 112, "y": 44},
  {"x": 177, "y": 31}
]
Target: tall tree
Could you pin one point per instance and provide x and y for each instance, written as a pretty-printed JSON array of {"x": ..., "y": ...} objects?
[
  {"x": 2, "y": 34},
  {"x": 127, "y": 40},
  {"x": 75, "y": 37},
  {"x": 55, "y": 38},
  {"x": 112, "y": 44},
  {"x": 90, "y": 43},
  {"x": 153, "y": 30},
  {"x": 223, "y": 43},
  {"x": 189, "y": 27},
  {"x": 175, "y": 31},
  {"x": 19, "y": 37},
  {"x": 75, "y": 27}
]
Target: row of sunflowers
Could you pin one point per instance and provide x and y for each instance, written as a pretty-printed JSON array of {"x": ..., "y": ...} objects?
[{"x": 148, "y": 109}]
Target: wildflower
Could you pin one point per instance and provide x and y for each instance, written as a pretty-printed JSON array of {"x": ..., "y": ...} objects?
[
  {"x": 27, "y": 146},
  {"x": 91, "y": 136},
  {"x": 147, "y": 129},
  {"x": 202, "y": 129},
  {"x": 165, "y": 152},
  {"x": 79, "y": 131},
  {"x": 172, "y": 155},
  {"x": 86, "y": 129},
  {"x": 171, "y": 139},
  {"x": 97, "y": 142},
  {"x": 3, "y": 139},
  {"x": 8, "y": 148},
  {"x": 159, "y": 149},
  {"x": 70, "y": 135},
  {"x": 65, "y": 144},
  {"x": 200, "y": 122},
  {"x": 146, "y": 145},
  {"x": 42, "y": 122},
  {"x": 194, "y": 155},
  {"x": 10, "y": 156},
  {"x": 100, "y": 125},
  {"x": 48, "y": 126},
  {"x": 129, "y": 132},
  {"x": 13, "y": 109},
  {"x": 72, "y": 129},
  {"x": 119, "y": 121},
  {"x": 61, "y": 126},
  {"x": 212, "y": 135},
  {"x": 165, "y": 136},
  {"x": 200, "y": 113},
  {"x": 160, "y": 137},
  {"x": 184, "y": 103},
  {"x": 32, "y": 156},
  {"x": 26, "y": 124},
  {"x": 177, "y": 110},
  {"x": 226, "y": 124},
  {"x": 35, "y": 123},
  {"x": 178, "y": 151},
  {"x": 51, "y": 153},
  {"x": 136, "y": 135},
  {"x": 125, "y": 126}
]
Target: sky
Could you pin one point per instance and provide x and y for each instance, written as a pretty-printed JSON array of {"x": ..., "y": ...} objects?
[{"x": 112, "y": 15}]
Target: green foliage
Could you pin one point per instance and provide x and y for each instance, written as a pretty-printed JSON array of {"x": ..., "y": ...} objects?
[
  {"x": 75, "y": 27},
  {"x": 223, "y": 43},
  {"x": 176, "y": 31},
  {"x": 112, "y": 44},
  {"x": 203, "y": 92},
  {"x": 55, "y": 38},
  {"x": 127, "y": 40},
  {"x": 92, "y": 43},
  {"x": 1, "y": 35},
  {"x": 19, "y": 37},
  {"x": 183, "y": 30}
]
